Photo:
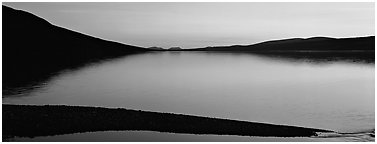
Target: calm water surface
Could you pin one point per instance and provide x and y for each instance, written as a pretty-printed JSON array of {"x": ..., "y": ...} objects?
[{"x": 330, "y": 95}]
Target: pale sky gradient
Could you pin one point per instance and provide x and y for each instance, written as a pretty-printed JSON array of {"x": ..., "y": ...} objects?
[{"x": 189, "y": 25}]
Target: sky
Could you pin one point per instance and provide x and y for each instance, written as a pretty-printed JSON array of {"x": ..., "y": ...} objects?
[{"x": 192, "y": 25}]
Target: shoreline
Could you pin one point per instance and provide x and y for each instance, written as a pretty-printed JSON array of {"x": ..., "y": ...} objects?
[{"x": 48, "y": 120}]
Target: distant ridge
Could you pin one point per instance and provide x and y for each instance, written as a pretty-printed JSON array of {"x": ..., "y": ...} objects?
[
  {"x": 33, "y": 48},
  {"x": 301, "y": 44}
]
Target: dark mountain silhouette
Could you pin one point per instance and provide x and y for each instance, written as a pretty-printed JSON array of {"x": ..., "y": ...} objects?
[
  {"x": 300, "y": 44},
  {"x": 315, "y": 49},
  {"x": 33, "y": 48}
]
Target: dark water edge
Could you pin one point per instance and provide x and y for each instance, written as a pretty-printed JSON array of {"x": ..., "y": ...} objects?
[
  {"x": 362, "y": 57},
  {"x": 151, "y": 136},
  {"x": 48, "y": 120},
  {"x": 319, "y": 57}
]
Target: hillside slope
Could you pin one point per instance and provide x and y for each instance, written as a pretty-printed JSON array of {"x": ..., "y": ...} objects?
[{"x": 33, "y": 48}]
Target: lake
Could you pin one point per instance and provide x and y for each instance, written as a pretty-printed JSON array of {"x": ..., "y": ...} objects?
[{"x": 333, "y": 95}]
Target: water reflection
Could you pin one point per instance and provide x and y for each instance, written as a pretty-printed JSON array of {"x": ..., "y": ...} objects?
[
  {"x": 23, "y": 87},
  {"x": 306, "y": 57},
  {"x": 314, "y": 57},
  {"x": 335, "y": 94}
]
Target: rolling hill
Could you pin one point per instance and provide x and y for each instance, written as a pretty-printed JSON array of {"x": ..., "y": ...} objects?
[
  {"x": 33, "y": 48},
  {"x": 300, "y": 44}
]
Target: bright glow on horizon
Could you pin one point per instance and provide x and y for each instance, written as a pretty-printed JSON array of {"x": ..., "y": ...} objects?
[{"x": 191, "y": 25}]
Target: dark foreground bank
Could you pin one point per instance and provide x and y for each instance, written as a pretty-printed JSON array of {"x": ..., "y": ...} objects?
[{"x": 32, "y": 121}]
